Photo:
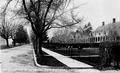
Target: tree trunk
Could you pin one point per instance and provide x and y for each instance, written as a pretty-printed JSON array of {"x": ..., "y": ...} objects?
[
  {"x": 14, "y": 43},
  {"x": 7, "y": 42},
  {"x": 40, "y": 47},
  {"x": 37, "y": 44}
]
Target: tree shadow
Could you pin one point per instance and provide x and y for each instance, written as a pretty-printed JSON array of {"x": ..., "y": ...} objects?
[
  {"x": 48, "y": 60},
  {"x": 52, "y": 62}
]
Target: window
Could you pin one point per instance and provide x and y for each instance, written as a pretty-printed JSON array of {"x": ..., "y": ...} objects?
[
  {"x": 99, "y": 33},
  {"x": 98, "y": 38}
]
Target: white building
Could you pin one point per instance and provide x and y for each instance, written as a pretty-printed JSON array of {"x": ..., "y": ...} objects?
[{"x": 104, "y": 32}]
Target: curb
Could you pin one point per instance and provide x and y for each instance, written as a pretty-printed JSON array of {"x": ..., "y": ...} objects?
[
  {"x": 35, "y": 61},
  {"x": 43, "y": 66}
]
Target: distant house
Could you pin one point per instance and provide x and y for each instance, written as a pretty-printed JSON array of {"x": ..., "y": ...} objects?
[
  {"x": 79, "y": 36},
  {"x": 107, "y": 32}
]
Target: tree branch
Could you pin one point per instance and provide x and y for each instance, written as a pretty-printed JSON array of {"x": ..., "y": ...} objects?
[
  {"x": 29, "y": 18},
  {"x": 48, "y": 7}
]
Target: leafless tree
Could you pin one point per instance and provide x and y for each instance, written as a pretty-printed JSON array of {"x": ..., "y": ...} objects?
[
  {"x": 5, "y": 27},
  {"x": 6, "y": 31},
  {"x": 87, "y": 29},
  {"x": 44, "y": 15}
]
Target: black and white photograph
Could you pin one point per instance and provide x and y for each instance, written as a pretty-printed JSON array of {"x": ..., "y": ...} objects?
[{"x": 59, "y": 36}]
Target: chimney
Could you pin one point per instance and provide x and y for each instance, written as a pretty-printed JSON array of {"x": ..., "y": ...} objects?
[
  {"x": 103, "y": 23},
  {"x": 114, "y": 20}
]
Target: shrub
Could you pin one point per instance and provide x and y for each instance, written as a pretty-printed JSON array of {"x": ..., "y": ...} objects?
[
  {"x": 109, "y": 52},
  {"x": 20, "y": 36}
]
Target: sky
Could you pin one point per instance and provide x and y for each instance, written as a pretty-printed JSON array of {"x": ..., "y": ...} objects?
[{"x": 96, "y": 11}]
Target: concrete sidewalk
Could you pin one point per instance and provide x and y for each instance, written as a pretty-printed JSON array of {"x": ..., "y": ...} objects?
[{"x": 72, "y": 63}]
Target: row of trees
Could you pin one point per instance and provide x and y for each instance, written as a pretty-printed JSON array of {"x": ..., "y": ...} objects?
[
  {"x": 14, "y": 32},
  {"x": 8, "y": 28}
]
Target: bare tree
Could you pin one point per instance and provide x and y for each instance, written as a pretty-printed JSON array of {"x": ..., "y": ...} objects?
[
  {"x": 6, "y": 30},
  {"x": 44, "y": 15},
  {"x": 5, "y": 27},
  {"x": 87, "y": 29}
]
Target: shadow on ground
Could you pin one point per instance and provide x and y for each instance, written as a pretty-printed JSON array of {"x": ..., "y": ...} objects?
[
  {"x": 27, "y": 59},
  {"x": 48, "y": 60}
]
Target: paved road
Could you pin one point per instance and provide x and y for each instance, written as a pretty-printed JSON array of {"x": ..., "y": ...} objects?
[{"x": 20, "y": 60}]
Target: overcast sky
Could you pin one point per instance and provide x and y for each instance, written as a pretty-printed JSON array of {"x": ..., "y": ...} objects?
[{"x": 96, "y": 11}]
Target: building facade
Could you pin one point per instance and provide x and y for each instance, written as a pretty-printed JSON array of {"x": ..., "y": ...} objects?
[{"x": 107, "y": 32}]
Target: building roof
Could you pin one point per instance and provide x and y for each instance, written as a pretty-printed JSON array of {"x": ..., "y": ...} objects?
[{"x": 108, "y": 27}]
